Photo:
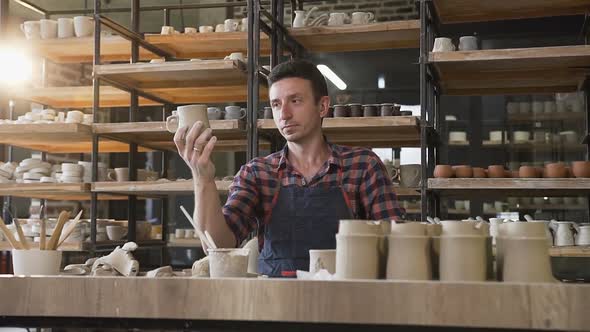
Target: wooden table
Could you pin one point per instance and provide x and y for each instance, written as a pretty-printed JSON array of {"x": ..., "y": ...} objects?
[{"x": 198, "y": 302}]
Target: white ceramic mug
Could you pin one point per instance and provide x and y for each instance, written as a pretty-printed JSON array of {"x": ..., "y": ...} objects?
[
  {"x": 362, "y": 17},
  {"x": 206, "y": 29},
  {"x": 337, "y": 19},
  {"x": 522, "y": 136},
  {"x": 31, "y": 29},
  {"x": 214, "y": 113},
  {"x": 190, "y": 30},
  {"x": 443, "y": 44},
  {"x": 120, "y": 174},
  {"x": 234, "y": 113},
  {"x": 235, "y": 56},
  {"x": 116, "y": 232},
  {"x": 231, "y": 25},
  {"x": 322, "y": 259},
  {"x": 468, "y": 43},
  {"x": 48, "y": 29},
  {"x": 83, "y": 26},
  {"x": 220, "y": 28},
  {"x": 244, "y": 25},
  {"x": 167, "y": 30},
  {"x": 228, "y": 262},
  {"x": 36, "y": 262},
  {"x": 186, "y": 116},
  {"x": 74, "y": 117},
  {"x": 65, "y": 27}
]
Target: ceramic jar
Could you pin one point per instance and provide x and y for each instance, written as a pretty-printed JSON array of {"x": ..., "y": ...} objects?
[
  {"x": 463, "y": 258},
  {"x": 356, "y": 110},
  {"x": 526, "y": 260},
  {"x": 357, "y": 256},
  {"x": 370, "y": 110},
  {"x": 409, "y": 258},
  {"x": 341, "y": 111}
]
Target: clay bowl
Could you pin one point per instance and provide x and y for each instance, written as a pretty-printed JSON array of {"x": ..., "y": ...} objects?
[
  {"x": 479, "y": 172},
  {"x": 581, "y": 169},
  {"x": 443, "y": 171},
  {"x": 528, "y": 172},
  {"x": 496, "y": 171},
  {"x": 463, "y": 171},
  {"x": 555, "y": 170}
]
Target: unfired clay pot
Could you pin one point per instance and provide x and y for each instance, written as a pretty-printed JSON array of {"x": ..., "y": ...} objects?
[
  {"x": 357, "y": 256},
  {"x": 581, "y": 169},
  {"x": 479, "y": 172},
  {"x": 528, "y": 172},
  {"x": 496, "y": 171},
  {"x": 409, "y": 258},
  {"x": 555, "y": 170},
  {"x": 463, "y": 171},
  {"x": 443, "y": 171},
  {"x": 463, "y": 258},
  {"x": 526, "y": 260}
]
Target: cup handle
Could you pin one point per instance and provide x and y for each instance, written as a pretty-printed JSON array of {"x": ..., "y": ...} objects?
[
  {"x": 111, "y": 175},
  {"x": 235, "y": 25},
  {"x": 171, "y": 121},
  {"x": 371, "y": 16},
  {"x": 242, "y": 113}
]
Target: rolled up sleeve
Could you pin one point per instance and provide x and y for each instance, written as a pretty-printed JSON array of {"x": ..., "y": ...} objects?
[
  {"x": 376, "y": 192},
  {"x": 240, "y": 208}
]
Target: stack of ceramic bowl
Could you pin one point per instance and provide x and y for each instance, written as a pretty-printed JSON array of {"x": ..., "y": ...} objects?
[
  {"x": 33, "y": 170},
  {"x": 87, "y": 171},
  {"x": 465, "y": 251},
  {"x": 522, "y": 251},
  {"x": 361, "y": 249},
  {"x": 7, "y": 172},
  {"x": 411, "y": 251},
  {"x": 71, "y": 173}
]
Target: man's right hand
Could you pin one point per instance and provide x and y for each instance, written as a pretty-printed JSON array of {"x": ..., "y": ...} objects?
[{"x": 195, "y": 148}]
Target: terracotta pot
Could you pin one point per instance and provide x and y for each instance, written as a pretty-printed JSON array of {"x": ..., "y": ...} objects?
[
  {"x": 443, "y": 171},
  {"x": 581, "y": 169},
  {"x": 496, "y": 171},
  {"x": 555, "y": 170},
  {"x": 463, "y": 171},
  {"x": 528, "y": 172},
  {"x": 479, "y": 172}
]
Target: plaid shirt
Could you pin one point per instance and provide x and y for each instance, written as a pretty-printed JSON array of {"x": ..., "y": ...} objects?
[{"x": 364, "y": 180}]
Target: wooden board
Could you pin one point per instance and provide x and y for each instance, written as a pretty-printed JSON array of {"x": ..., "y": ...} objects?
[
  {"x": 528, "y": 118},
  {"x": 391, "y": 131},
  {"x": 477, "y": 304},
  {"x": 462, "y": 11},
  {"x": 406, "y": 192},
  {"x": 206, "y": 45},
  {"x": 573, "y": 251},
  {"x": 81, "y": 50},
  {"x": 155, "y": 188},
  {"x": 183, "y": 243},
  {"x": 507, "y": 71},
  {"x": 79, "y": 97},
  {"x": 52, "y": 191},
  {"x": 537, "y": 147},
  {"x": 73, "y": 246},
  {"x": 509, "y": 186},
  {"x": 56, "y": 138},
  {"x": 346, "y": 38}
]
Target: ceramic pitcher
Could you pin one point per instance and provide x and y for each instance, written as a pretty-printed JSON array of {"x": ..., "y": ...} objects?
[
  {"x": 564, "y": 233},
  {"x": 301, "y": 18},
  {"x": 583, "y": 234}
]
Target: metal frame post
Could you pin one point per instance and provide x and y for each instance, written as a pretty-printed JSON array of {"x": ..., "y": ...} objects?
[
  {"x": 133, "y": 106},
  {"x": 253, "y": 76},
  {"x": 95, "y": 110},
  {"x": 423, "y": 108}
]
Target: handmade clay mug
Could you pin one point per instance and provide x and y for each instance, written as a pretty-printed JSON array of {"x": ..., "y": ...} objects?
[
  {"x": 167, "y": 30},
  {"x": 322, "y": 259},
  {"x": 116, "y": 232},
  {"x": 267, "y": 112},
  {"x": 524, "y": 260},
  {"x": 65, "y": 27},
  {"x": 357, "y": 256},
  {"x": 31, "y": 29},
  {"x": 443, "y": 44},
  {"x": 409, "y": 258},
  {"x": 468, "y": 43},
  {"x": 186, "y": 116},
  {"x": 362, "y": 17},
  {"x": 337, "y": 19},
  {"x": 370, "y": 110},
  {"x": 582, "y": 235},
  {"x": 220, "y": 28},
  {"x": 83, "y": 26},
  {"x": 410, "y": 175},
  {"x": 463, "y": 258},
  {"x": 120, "y": 174},
  {"x": 214, "y": 113},
  {"x": 356, "y": 110},
  {"x": 581, "y": 169},
  {"x": 341, "y": 111},
  {"x": 234, "y": 113},
  {"x": 48, "y": 29},
  {"x": 206, "y": 29},
  {"x": 231, "y": 25}
]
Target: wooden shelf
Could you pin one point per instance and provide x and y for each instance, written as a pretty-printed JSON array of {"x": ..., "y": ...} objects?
[
  {"x": 56, "y": 138},
  {"x": 81, "y": 50},
  {"x": 391, "y": 131},
  {"x": 534, "y": 146},
  {"x": 153, "y": 188},
  {"x": 508, "y": 71},
  {"x": 231, "y": 134},
  {"x": 512, "y": 187},
  {"x": 463, "y": 11},
  {"x": 530, "y": 118},
  {"x": 183, "y": 243},
  {"x": 52, "y": 191},
  {"x": 184, "y": 81},
  {"x": 345, "y": 38},
  {"x": 550, "y": 207},
  {"x": 73, "y": 246},
  {"x": 406, "y": 192},
  {"x": 573, "y": 251}
]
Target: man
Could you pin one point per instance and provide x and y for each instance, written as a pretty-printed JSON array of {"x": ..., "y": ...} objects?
[{"x": 295, "y": 197}]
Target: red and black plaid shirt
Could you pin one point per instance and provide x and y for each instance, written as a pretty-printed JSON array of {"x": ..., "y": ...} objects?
[{"x": 364, "y": 180}]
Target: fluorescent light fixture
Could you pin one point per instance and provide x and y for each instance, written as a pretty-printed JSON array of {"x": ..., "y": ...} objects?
[
  {"x": 332, "y": 77},
  {"x": 381, "y": 81},
  {"x": 15, "y": 65}
]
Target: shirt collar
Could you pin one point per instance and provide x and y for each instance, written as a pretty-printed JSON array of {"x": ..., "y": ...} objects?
[{"x": 334, "y": 158}]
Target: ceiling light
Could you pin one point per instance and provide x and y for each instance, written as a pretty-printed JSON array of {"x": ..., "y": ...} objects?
[{"x": 332, "y": 77}]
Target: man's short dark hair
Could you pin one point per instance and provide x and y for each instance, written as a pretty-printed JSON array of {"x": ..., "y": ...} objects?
[{"x": 301, "y": 69}]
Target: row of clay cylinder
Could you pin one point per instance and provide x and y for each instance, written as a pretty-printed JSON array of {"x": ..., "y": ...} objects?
[{"x": 449, "y": 251}]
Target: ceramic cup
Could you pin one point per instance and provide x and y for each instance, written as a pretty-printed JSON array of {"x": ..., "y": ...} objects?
[
  {"x": 190, "y": 30},
  {"x": 120, "y": 174},
  {"x": 206, "y": 29},
  {"x": 370, "y": 110},
  {"x": 267, "y": 112},
  {"x": 468, "y": 43},
  {"x": 244, "y": 25},
  {"x": 322, "y": 259},
  {"x": 463, "y": 258},
  {"x": 341, "y": 111},
  {"x": 116, "y": 232},
  {"x": 522, "y": 136},
  {"x": 220, "y": 28},
  {"x": 186, "y": 116},
  {"x": 388, "y": 109},
  {"x": 410, "y": 175},
  {"x": 83, "y": 26},
  {"x": 74, "y": 117},
  {"x": 337, "y": 19},
  {"x": 235, "y": 56},
  {"x": 409, "y": 258},
  {"x": 179, "y": 233},
  {"x": 525, "y": 260},
  {"x": 231, "y": 25},
  {"x": 443, "y": 44},
  {"x": 457, "y": 136},
  {"x": 48, "y": 29},
  {"x": 356, "y": 110},
  {"x": 36, "y": 262},
  {"x": 65, "y": 27},
  {"x": 228, "y": 262},
  {"x": 31, "y": 29},
  {"x": 214, "y": 113},
  {"x": 357, "y": 256},
  {"x": 234, "y": 113},
  {"x": 167, "y": 30},
  {"x": 362, "y": 17}
]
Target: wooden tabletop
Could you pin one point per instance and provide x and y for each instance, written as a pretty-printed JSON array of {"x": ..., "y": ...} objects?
[{"x": 491, "y": 304}]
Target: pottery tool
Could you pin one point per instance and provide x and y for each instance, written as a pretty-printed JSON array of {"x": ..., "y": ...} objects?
[
  {"x": 42, "y": 235},
  {"x": 210, "y": 239},
  {"x": 202, "y": 236},
  {"x": 70, "y": 229},
  {"x": 61, "y": 220},
  {"x": 13, "y": 242},
  {"x": 21, "y": 235}
]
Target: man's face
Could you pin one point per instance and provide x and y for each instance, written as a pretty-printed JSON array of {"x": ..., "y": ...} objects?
[{"x": 295, "y": 112}]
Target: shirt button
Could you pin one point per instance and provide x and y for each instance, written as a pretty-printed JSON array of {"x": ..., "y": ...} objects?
[{"x": 304, "y": 183}]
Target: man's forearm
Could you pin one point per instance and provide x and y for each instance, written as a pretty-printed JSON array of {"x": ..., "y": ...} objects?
[{"x": 209, "y": 216}]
